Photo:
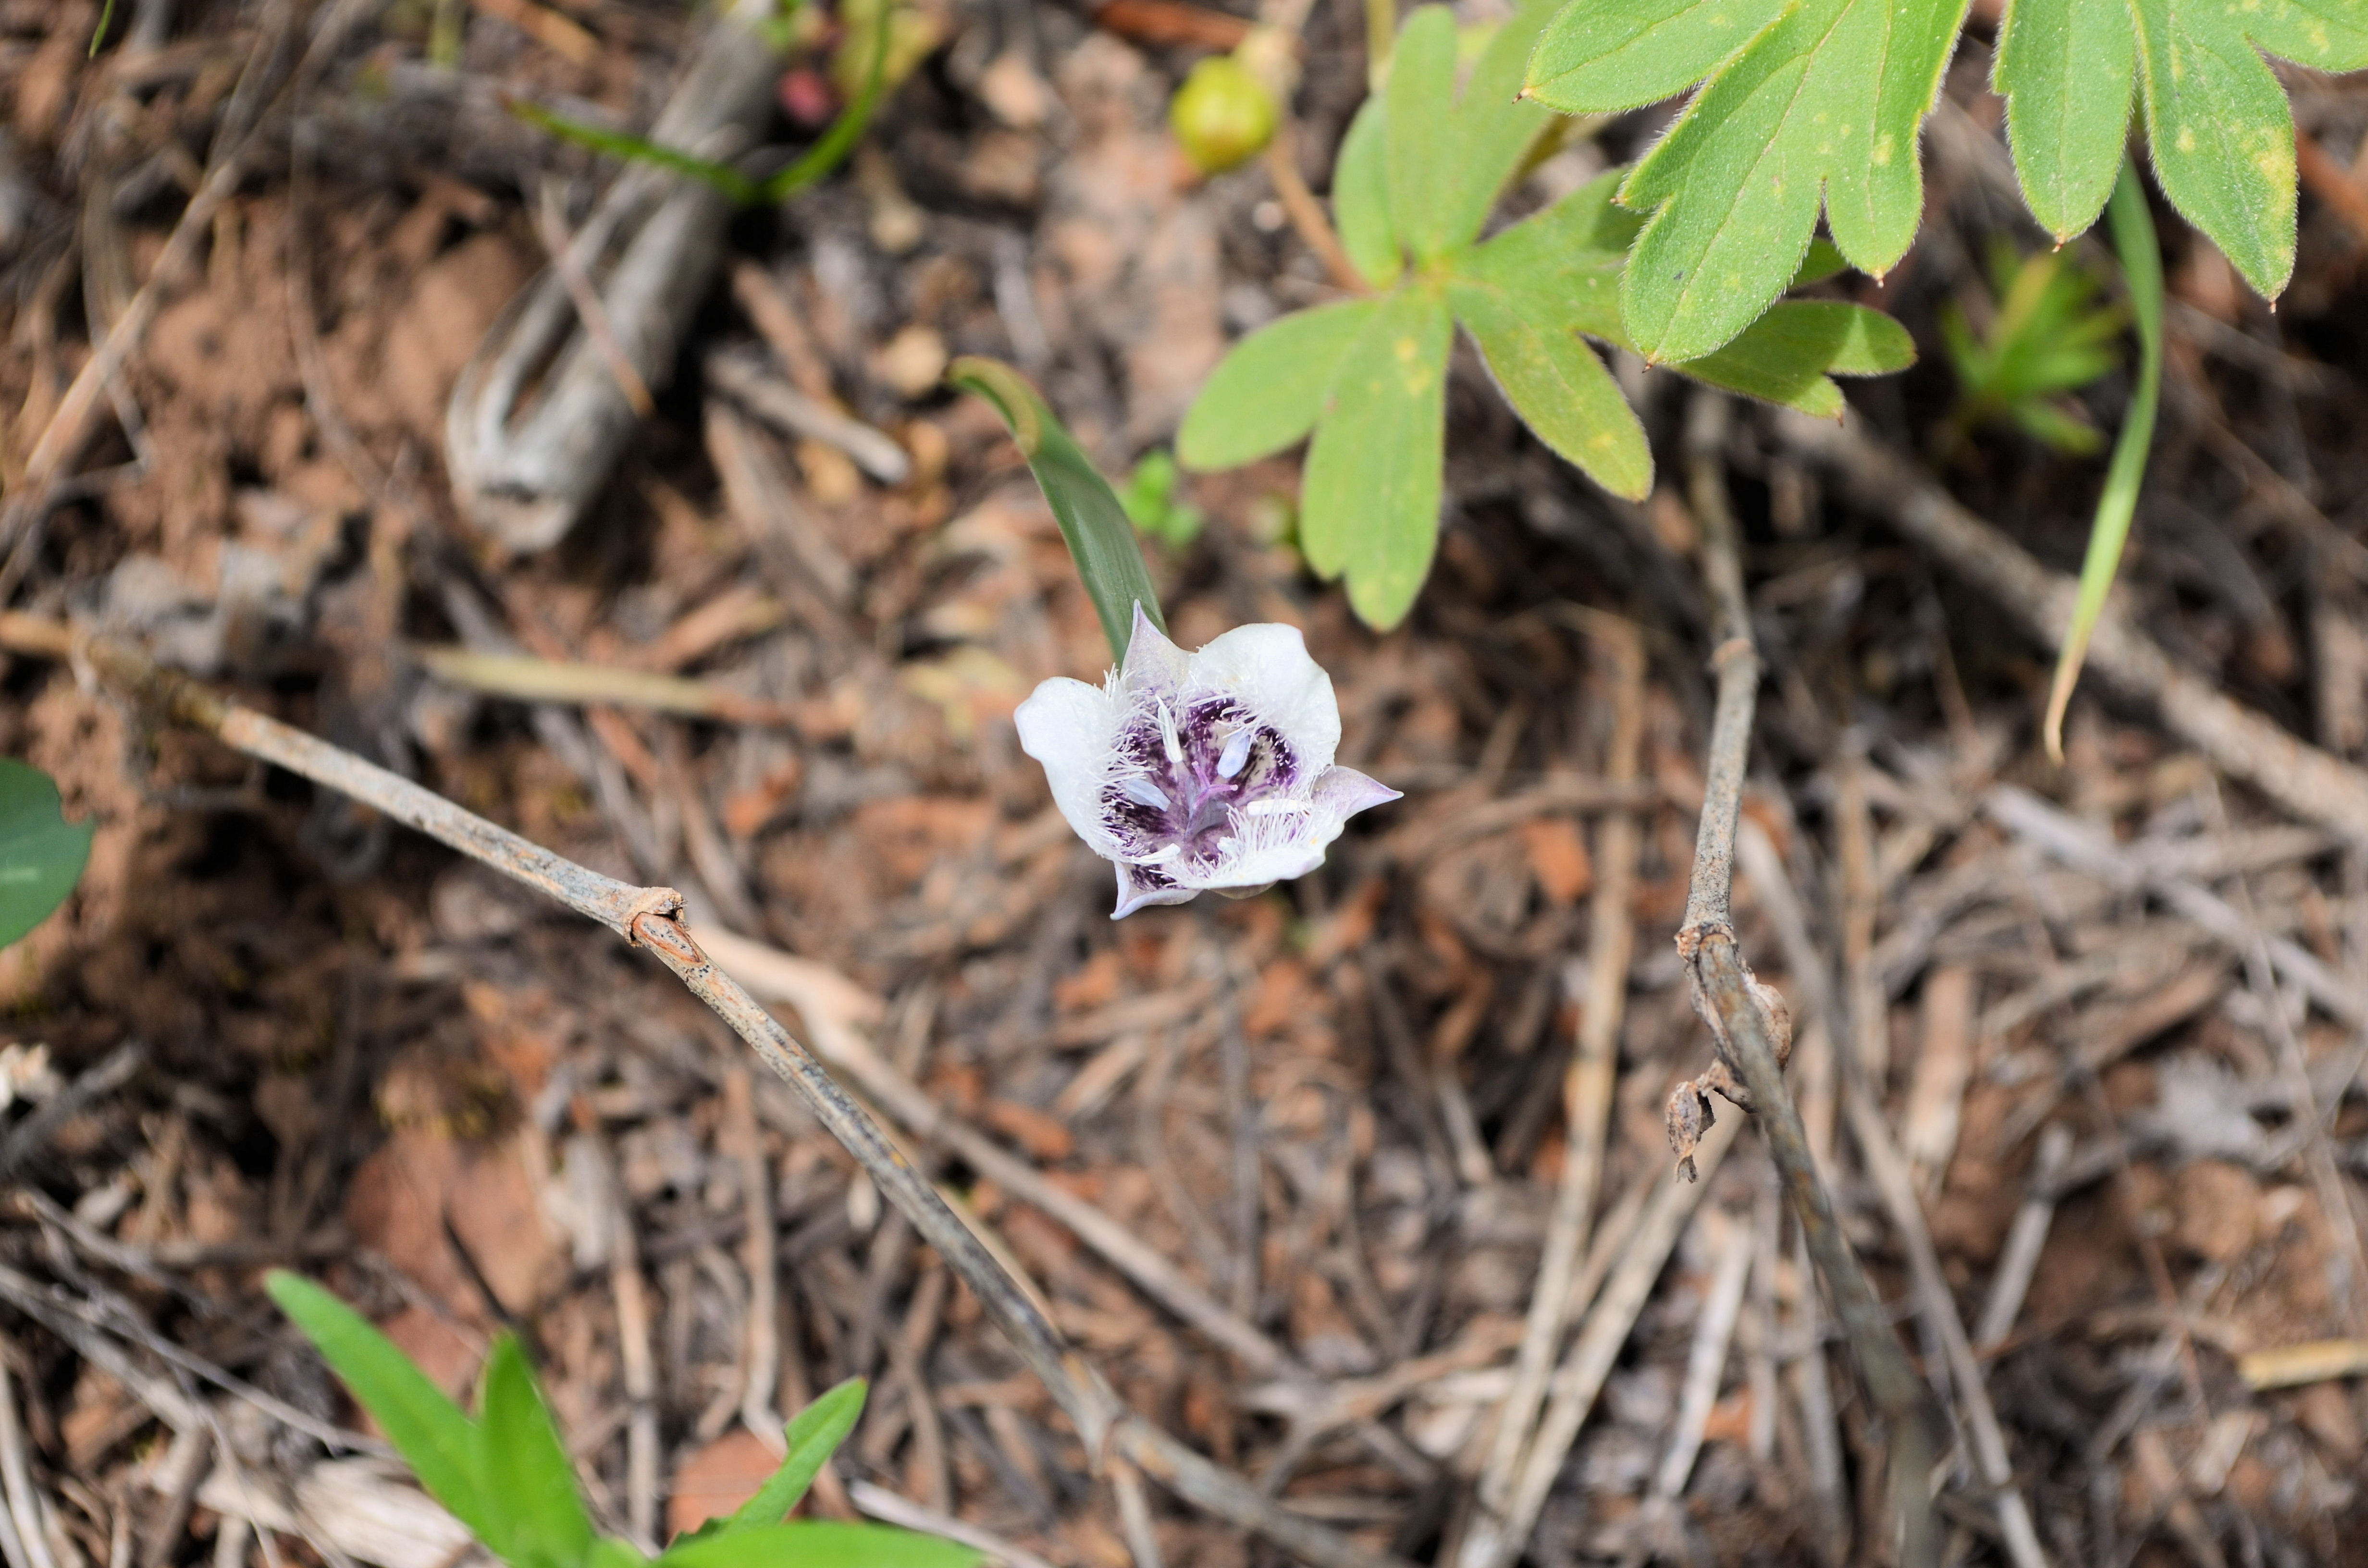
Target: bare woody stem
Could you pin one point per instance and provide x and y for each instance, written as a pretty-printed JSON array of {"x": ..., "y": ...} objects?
[
  {"x": 651, "y": 918},
  {"x": 1747, "y": 1021}
]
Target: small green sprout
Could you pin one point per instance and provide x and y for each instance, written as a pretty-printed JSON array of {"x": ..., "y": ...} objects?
[
  {"x": 1151, "y": 501},
  {"x": 507, "y": 1477},
  {"x": 2049, "y": 336}
]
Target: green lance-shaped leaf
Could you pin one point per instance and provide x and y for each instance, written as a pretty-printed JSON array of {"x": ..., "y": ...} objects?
[
  {"x": 1369, "y": 501},
  {"x": 2133, "y": 239},
  {"x": 1269, "y": 389},
  {"x": 2217, "y": 121},
  {"x": 1101, "y": 538},
  {"x": 41, "y": 854},
  {"x": 1819, "y": 109},
  {"x": 812, "y": 1436},
  {"x": 2065, "y": 68},
  {"x": 523, "y": 1462},
  {"x": 428, "y": 1430},
  {"x": 1360, "y": 199},
  {"x": 818, "y": 1544}
]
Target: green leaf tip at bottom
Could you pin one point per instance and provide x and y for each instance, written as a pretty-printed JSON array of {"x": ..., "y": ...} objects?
[
  {"x": 427, "y": 1430},
  {"x": 810, "y": 1439},
  {"x": 821, "y": 1544},
  {"x": 41, "y": 854},
  {"x": 1100, "y": 537},
  {"x": 2133, "y": 239}
]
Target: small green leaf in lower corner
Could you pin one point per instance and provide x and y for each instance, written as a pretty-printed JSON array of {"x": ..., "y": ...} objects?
[
  {"x": 1094, "y": 525},
  {"x": 819, "y": 1544},
  {"x": 525, "y": 1463},
  {"x": 427, "y": 1430},
  {"x": 812, "y": 1438},
  {"x": 41, "y": 854},
  {"x": 1269, "y": 389},
  {"x": 1368, "y": 503}
]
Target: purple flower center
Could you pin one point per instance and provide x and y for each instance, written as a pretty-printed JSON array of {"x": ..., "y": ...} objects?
[{"x": 1183, "y": 772}]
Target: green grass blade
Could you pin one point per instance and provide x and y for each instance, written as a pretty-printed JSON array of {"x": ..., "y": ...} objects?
[
  {"x": 525, "y": 1463},
  {"x": 847, "y": 130},
  {"x": 812, "y": 1438},
  {"x": 41, "y": 854},
  {"x": 427, "y": 1430},
  {"x": 1101, "y": 538},
  {"x": 2133, "y": 238},
  {"x": 736, "y": 186}
]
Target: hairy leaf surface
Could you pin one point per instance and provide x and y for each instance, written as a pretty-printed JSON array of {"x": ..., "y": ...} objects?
[{"x": 1370, "y": 499}]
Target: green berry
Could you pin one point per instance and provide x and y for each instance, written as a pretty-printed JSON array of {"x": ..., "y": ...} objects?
[{"x": 1222, "y": 115}]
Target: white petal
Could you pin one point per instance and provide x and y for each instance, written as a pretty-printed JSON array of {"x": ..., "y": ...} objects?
[
  {"x": 1267, "y": 668},
  {"x": 1068, "y": 726},
  {"x": 1344, "y": 793},
  {"x": 1134, "y": 893},
  {"x": 1153, "y": 663}
]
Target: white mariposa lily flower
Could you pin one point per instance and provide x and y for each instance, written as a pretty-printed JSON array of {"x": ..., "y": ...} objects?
[{"x": 1193, "y": 771}]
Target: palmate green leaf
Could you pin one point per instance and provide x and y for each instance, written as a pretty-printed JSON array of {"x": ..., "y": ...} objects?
[
  {"x": 2065, "y": 68},
  {"x": 1560, "y": 268},
  {"x": 428, "y": 1430},
  {"x": 41, "y": 854},
  {"x": 1369, "y": 501},
  {"x": 1621, "y": 56},
  {"x": 1820, "y": 108},
  {"x": 2217, "y": 121},
  {"x": 1095, "y": 526},
  {"x": 1361, "y": 199},
  {"x": 818, "y": 1544},
  {"x": 1449, "y": 154},
  {"x": 522, "y": 1461},
  {"x": 1269, "y": 390},
  {"x": 1792, "y": 353},
  {"x": 1558, "y": 385}
]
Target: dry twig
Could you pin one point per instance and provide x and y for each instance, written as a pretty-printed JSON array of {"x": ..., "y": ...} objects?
[{"x": 650, "y": 917}]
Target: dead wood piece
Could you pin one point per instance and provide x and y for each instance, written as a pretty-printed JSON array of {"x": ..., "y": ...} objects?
[{"x": 537, "y": 417}]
